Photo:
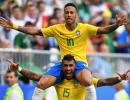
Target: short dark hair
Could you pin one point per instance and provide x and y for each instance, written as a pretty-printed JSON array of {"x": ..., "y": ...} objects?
[
  {"x": 71, "y": 4},
  {"x": 28, "y": 23},
  {"x": 10, "y": 71},
  {"x": 68, "y": 57},
  {"x": 17, "y": 7}
]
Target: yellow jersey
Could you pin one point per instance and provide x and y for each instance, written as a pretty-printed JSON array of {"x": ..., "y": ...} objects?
[
  {"x": 72, "y": 90},
  {"x": 71, "y": 42}
]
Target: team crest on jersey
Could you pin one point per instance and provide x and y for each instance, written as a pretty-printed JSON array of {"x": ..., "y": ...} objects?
[{"x": 78, "y": 33}]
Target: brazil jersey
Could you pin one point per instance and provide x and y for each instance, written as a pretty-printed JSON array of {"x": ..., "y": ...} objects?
[
  {"x": 71, "y": 90},
  {"x": 71, "y": 42}
]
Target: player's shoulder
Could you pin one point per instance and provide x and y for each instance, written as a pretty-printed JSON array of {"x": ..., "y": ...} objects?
[
  {"x": 58, "y": 25},
  {"x": 83, "y": 24}
]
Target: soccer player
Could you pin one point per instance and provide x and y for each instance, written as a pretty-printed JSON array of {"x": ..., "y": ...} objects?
[
  {"x": 71, "y": 37},
  {"x": 69, "y": 88}
]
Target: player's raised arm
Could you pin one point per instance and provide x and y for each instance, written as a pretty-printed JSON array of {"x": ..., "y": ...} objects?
[
  {"x": 113, "y": 80},
  {"x": 29, "y": 74},
  {"x": 28, "y": 30},
  {"x": 119, "y": 21}
]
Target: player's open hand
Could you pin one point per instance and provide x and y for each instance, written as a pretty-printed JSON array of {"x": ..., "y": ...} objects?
[
  {"x": 12, "y": 65},
  {"x": 121, "y": 19},
  {"x": 125, "y": 75},
  {"x": 5, "y": 23}
]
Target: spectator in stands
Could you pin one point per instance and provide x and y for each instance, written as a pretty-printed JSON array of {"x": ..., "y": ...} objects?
[
  {"x": 50, "y": 42},
  {"x": 6, "y": 38},
  {"x": 121, "y": 6},
  {"x": 17, "y": 15},
  {"x": 128, "y": 6},
  {"x": 107, "y": 15},
  {"x": 58, "y": 3},
  {"x": 83, "y": 10},
  {"x": 14, "y": 92},
  {"x": 31, "y": 13},
  {"x": 44, "y": 9},
  {"x": 123, "y": 40},
  {"x": 102, "y": 63},
  {"x": 6, "y": 5},
  {"x": 58, "y": 15},
  {"x": 45, "y": 12},
  {"x": 24, "y": 41},
  {"x": 97, "y": 6}
]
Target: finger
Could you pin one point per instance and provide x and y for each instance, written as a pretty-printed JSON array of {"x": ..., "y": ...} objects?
[
  {"x": 2, "y": 18},
  {"x": 9, "y": 67},
  {"x": 2, "y": 22},
  {"x": 121, "y": 14},
  {"x": 118, "y": 73},
  {"x": 127, "y": 71},
  {"x": 17, "y": 65},
  {"x": 126, "y": 77},
  {"x": 8, "y": 60}
]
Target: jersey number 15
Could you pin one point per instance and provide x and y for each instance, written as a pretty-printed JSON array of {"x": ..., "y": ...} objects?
[{"x": 66, "y": 92}]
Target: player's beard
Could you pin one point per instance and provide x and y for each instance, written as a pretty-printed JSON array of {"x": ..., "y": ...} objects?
[{"x": 69, "y": 74}]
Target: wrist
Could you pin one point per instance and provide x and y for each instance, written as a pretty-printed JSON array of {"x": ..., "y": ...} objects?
[
  {"x": 20, "y": 68},
  {"x": 119, "y": 78},
  {"x": 15, "y": 26},
  {"x": 117, "y": 25}
]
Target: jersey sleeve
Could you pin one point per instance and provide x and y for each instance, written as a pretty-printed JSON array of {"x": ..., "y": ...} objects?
[
  {"x": 91, "y": 29},
  {"x": 95, "y": 81},
  {"x": 48, "y": 32}
]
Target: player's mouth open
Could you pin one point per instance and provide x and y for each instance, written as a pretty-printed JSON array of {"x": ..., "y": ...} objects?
[{"x": 69, "y": 18}]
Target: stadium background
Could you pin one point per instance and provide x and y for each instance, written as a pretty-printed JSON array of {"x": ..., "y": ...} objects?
[{"x": 36, "y": 53}]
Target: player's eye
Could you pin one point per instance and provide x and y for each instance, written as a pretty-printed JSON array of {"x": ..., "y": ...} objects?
[
  {"x": 71, "y": 12},
  {"x": 65, "y": 65},
  {"x": 66, "y": 12}
]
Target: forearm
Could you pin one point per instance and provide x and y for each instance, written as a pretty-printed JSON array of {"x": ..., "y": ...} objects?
[
  {"x": 108, "y": 81},
  {"x": 31, "y": 75},
  {"x": 107, "y": 29},
  {"x": 28, "y": 30},
  {"x": 123, "y": 45}
]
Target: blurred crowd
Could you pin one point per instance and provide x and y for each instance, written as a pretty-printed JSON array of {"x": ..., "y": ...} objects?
[{"x": 43, "y": 13}]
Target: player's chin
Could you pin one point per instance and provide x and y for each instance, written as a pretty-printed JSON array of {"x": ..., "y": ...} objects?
[
  {"x": 69, "y": 22},
  {"x": 69, "y": 76}
]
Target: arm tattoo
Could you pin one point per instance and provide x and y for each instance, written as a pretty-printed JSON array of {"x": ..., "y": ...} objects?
[
  {"x": 108, "y": 81},
  {"x": 31, "y": 75},
  {"x": 108, "y": 29},
  {"x": 30, "y": 30},
  {"x": 22, "y": 29}
]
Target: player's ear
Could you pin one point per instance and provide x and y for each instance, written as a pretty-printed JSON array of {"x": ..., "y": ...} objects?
[
  {"x": 64, "y": 14},
  {"x": 77, "y": 18}
]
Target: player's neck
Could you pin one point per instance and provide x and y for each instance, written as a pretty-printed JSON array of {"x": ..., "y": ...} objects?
[{"x": 71, "y": 26}]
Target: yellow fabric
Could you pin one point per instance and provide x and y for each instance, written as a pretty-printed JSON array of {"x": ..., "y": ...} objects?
[
  {"x": 71, "y": 90},
  {"x": 107, "y": 13},
  {"x": 95, "y": 81},
  {"x": 71, "y": 42},
  {"x": 15, "y": 26}
]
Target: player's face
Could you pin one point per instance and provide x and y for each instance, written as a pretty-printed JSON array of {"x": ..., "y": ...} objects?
[
  {"x": 68, "y": 68},
  {"x": 70, "y": 14},
  {"x": 10, "y": 78}
]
